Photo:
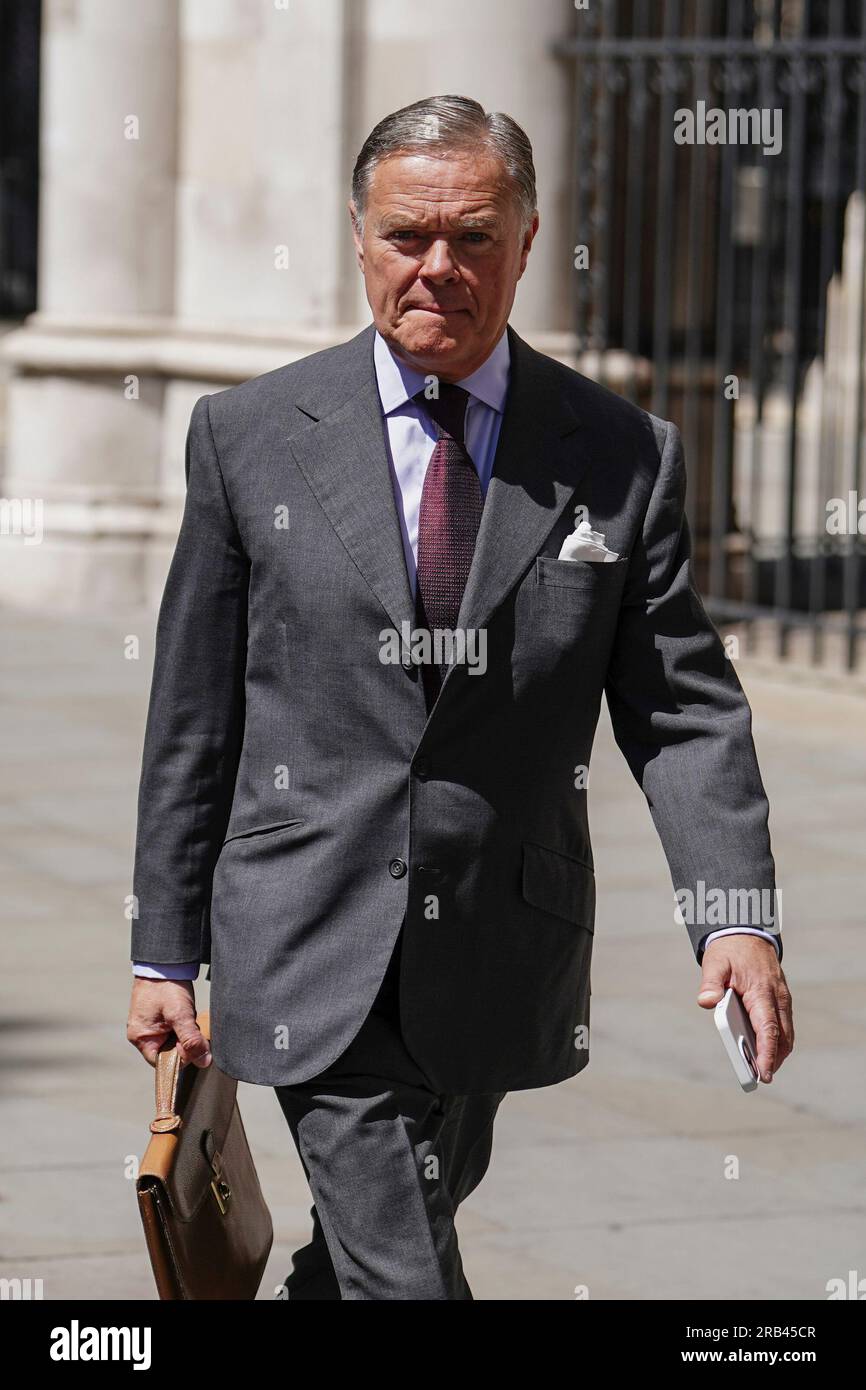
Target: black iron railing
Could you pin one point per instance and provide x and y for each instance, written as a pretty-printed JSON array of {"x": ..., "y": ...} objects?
[{"x": 723, "y": 283}]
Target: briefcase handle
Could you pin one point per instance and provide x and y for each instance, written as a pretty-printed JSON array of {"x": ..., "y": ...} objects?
[{"x": 168, "y": 1068}]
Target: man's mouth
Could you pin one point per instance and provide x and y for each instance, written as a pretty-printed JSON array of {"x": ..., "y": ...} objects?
[{"x": 436, "y": 309}]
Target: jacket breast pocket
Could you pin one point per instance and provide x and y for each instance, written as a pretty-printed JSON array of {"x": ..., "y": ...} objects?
[
  {"x": 559, "y": 884},
  {"x": 587, "y": 575}
]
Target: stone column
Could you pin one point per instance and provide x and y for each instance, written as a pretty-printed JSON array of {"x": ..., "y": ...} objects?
[
  {"x": 85, "y": 406},
  {"x": 194, "y": 157},
  {"x": 259, "y": 257}
]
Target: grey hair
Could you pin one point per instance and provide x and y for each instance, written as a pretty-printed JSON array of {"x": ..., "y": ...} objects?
[{"x": 448, "y": 123}]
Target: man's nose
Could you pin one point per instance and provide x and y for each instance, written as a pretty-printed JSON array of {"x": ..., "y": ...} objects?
[{"x": 438, "y": 264}]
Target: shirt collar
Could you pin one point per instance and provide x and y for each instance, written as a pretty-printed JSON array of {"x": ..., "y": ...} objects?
[{"x": 398, "y": 383}]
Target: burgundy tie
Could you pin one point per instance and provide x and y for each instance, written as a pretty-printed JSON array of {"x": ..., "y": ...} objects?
[{"x": 448, "y": 521}]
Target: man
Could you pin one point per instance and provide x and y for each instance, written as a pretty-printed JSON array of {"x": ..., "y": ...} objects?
[{"x": 378, "y": 674}]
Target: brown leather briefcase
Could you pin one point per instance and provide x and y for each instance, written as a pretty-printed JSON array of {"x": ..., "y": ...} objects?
[{"x": 207, "y": 1227}]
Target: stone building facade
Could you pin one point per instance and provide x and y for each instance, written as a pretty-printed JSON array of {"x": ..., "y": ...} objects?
[{"x": 195, "y": 166}]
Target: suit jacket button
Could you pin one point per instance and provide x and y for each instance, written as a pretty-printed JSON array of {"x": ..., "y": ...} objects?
[
  {"x": 397, "y": 868},
  {"x": 422, "y": 768}
]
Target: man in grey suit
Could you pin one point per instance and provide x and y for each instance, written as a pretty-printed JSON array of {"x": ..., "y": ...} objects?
[{"x": 408, "y": 568}]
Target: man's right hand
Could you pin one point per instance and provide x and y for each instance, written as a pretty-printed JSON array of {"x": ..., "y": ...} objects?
[{"x": 160, "y": 1008}]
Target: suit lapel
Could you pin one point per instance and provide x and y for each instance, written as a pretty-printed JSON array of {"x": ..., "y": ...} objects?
[
  {"x": 535, "y": 471},
  {"x": 342, "y": 452}
]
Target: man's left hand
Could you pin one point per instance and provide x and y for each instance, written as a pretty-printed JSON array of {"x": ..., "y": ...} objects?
[{"x": 750, "y": 965}]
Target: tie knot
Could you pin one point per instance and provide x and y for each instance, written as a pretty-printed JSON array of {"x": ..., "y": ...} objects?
[{"x": 448, "y": 408}]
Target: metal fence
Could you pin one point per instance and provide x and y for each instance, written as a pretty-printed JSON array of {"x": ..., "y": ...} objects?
[{"x": 720, "y": 281}]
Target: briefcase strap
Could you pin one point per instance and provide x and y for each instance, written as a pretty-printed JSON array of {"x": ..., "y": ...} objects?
[{"x": 168, "y": 1065}]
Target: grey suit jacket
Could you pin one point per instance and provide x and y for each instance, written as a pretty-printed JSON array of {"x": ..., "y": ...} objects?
[{"x": 297, "y": 804}]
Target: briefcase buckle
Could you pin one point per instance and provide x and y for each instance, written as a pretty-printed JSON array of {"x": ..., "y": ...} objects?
[{"x": 219, "y": 1187}]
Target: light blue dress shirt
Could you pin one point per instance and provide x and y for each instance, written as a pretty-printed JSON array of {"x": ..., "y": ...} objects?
[{"x": 412, "y": 438}]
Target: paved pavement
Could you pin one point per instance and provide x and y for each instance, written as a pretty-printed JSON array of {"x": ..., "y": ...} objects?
[{"x": 615, "y": 1180}]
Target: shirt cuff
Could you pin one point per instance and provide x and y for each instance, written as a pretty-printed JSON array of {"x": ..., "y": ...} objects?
[
  {"x": 741, "y": 931},
  {"x": 184, "y": 970}
]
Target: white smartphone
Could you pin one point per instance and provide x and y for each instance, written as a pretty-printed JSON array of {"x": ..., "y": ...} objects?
[{"x": 738, "y": 1035}]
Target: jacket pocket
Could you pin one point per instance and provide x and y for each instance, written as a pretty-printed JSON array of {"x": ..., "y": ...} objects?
[
  {"x": 578, "y": 574},
  {"x": 559, "y": 884},
  {"x": 273, "y": 828}
]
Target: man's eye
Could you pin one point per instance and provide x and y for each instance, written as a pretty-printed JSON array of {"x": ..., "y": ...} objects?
[{"x": 409, "y": 234}]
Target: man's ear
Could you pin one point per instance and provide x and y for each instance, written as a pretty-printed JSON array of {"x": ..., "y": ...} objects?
[
  {"x": 356, "y": 236},
  {"x": 529, "y": 237}
]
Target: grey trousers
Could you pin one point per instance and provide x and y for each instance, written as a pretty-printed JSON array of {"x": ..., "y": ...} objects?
[{"x": 388, "y": 1162}]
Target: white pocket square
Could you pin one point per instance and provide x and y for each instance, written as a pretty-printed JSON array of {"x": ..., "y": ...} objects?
[{"x": 586, "y": 544}]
